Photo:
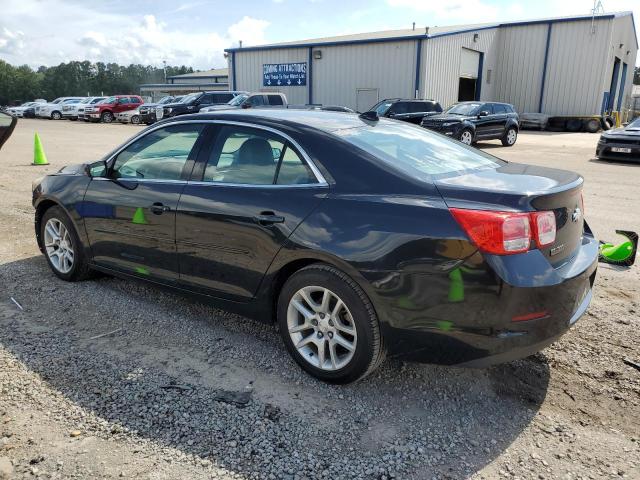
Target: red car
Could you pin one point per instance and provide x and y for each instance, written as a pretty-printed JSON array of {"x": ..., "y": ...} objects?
[{"x": 107, "y": 110}]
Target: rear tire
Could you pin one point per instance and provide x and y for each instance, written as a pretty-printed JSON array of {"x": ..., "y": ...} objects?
[
  {"x": 338, "y": 338},
  {"x": 75, "y": 266},
  {"x": 510, "y": 137},
  {"x": 592, "y": 126},
  {"x": 574, "y": 125}
]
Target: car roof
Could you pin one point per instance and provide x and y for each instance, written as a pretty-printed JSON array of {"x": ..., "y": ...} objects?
[{"x": 319, "y": 119}]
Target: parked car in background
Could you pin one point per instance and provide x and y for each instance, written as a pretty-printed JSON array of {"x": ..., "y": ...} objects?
[
  {"x": 407, "y": 110},
  {"x": 19, "y": 110},
  {"x": 195, "y": 102},
  {"x": 129, "y": 116},
  {"x": 106, "y": 110},
  {"x": 72, "y": 111},
  {"x": 470, "y": 122},
  {"x": 252, "y": 100},
  {"x": 30, "y": 112},
  {"x": 620, "y": 143},
  {"x": 53, "y": 110},
  {"x": 152, "y": 112},
  {"x": 358, "y": 237}
]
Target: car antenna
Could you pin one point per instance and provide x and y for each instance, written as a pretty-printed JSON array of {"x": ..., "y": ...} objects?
[{"x": 370, "y": 116}]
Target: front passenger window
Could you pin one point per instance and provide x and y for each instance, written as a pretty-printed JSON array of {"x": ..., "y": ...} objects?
[{"x": 159, "y": 155}]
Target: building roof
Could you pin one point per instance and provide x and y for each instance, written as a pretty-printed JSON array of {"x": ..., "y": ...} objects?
[
  {"x": 216, "y": 72},
  {"x": 420, "y": 32}
]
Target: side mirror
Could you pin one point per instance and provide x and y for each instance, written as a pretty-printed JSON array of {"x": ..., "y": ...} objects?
[
  {"x": 483, "y": 113},
  {"x": 96, "y": 169},
  {"x": 7, "y": 124},
  {"x": 246, "y": 105}
]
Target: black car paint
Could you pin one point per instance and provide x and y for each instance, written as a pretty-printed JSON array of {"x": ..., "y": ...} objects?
[
  {"x": 194, "y": 106},
  {"x": 365, "y": 225},
  {"x": 482, "y": 127},
  {"x": 626, "y": 137},
  {"x": 428, "y": 108},
  {"x": 7, "y": 125}
]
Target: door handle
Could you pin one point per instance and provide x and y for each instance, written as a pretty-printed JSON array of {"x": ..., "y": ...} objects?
[
  {"x": 158, "y": 208},
  {"x": 268, "y": 218}
]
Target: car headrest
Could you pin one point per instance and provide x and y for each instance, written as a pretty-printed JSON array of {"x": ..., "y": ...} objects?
[{"x": 255, "y": 151}]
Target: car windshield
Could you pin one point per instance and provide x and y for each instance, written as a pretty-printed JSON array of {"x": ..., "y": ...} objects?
[
  {"x": 57, "y": 100},
  {"x": 164, "y": 100},
  {"x": 236, "y": 101},
  {"x": 464, "y": 109},
  {"x": 109, "y": 100},
  {"x": 97, "y": 100},
  {"x": 382, "y": 107},
  {"x": 191, "y": 97},
  {"x": 635, "y": 124},
  {"x": 417, "y": 152}
]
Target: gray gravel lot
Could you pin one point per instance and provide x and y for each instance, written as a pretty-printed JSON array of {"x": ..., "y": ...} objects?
[{"x": 187, "y": 391}]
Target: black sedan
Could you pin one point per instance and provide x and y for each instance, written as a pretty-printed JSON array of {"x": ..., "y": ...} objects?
[
  {"x": 620, "y": 143},
  {"x": 359, "y": 237},
  {"x": 471, "y": 122}
]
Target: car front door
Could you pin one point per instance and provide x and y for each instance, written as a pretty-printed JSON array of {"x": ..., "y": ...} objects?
[
  {"x": 484, "y": 121},
  {"x": 129, "y": 212},
  {"x": 251, "y": 188}
]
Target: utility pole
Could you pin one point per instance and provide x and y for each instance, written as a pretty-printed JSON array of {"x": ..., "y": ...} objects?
[{"x": 164, "y": 68}]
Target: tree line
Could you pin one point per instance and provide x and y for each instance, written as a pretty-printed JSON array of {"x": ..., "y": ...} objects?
[{"x": 22, "y": 84}]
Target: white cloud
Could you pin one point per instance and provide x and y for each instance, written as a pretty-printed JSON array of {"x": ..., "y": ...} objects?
[
  {"x": 474, "y": 10},
  {"x": 77, "y": 32}
]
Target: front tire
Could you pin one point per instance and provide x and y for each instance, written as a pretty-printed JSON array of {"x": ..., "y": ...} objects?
[
  {"x": 466, "y": 136},
  {"x": 510, "y": 137},
  {"x": 135, "y": 119},
  {"x": 107, "y": 117},
  {"x": 62, "y": 247},
  {"x": 56, "y": 116},
  {"x": 329, "y": 325}
]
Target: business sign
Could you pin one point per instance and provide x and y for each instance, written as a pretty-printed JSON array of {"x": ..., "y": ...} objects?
[{"x": 284, "y": 74}]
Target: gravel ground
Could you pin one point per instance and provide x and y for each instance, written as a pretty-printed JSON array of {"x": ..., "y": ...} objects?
[{"x": 183, "y": 390}]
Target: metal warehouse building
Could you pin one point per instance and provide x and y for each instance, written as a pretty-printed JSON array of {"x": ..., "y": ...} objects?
[{"x": 559, "y": 66}]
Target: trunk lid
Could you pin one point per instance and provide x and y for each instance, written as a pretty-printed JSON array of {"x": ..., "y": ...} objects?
[{"x": 524, "y": 188}]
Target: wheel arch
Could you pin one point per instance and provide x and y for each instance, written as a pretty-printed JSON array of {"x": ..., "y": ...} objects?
[{"x": 41, "y": 207}]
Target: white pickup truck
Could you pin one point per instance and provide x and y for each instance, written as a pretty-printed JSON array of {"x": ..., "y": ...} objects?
[
  {"x": 53, "y": 110},
  {"x": 73, "y": 111}
]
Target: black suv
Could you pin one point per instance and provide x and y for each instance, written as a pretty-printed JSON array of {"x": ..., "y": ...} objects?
[
  {"x": 473, "y": 121},
  {"x": 148, "y": 110},
  {"x": 193, "y": 102},
  {"x": 411, "y": 111}
]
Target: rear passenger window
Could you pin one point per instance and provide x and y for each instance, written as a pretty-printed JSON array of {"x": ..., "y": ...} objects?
[
  {"x": 399, "y": 107},
  {"x": 222, "y": 97},
  {"x": 256, "y": 100},
  {"x": 249, "y": 156},
  {"x": 275, "y": 100},
  {"x": 293, "y": 170},
  {"x": 499, "y": 109}
]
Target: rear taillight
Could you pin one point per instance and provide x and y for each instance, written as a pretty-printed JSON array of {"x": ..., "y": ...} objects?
[
  {"x": 506, "y": 233},
  {"x": 544, "y": 225}
]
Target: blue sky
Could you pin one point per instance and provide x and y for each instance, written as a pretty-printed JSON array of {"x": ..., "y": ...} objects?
[{"x": 195, "y": 32}]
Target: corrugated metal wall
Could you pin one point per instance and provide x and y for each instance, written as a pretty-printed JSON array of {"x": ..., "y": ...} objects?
[
  {"x": 579, "y": 66},
  {"x": 623, "y": 34},
  {"x": 520, "y": 58},
  {"x": 249, "y": 69},
  {"x": 575, "y": 68},
  {"x": 441, "y": 64},
  {"x": 342, "y": 70}
]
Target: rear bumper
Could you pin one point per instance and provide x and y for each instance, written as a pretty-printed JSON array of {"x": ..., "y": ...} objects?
[{"x": 467, "y": 319}]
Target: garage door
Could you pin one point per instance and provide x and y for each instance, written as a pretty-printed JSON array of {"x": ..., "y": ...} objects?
[{"x": 469, "y": 61}]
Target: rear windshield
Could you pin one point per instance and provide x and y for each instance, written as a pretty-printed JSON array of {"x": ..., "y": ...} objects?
[{"x": 416, "y": 151}]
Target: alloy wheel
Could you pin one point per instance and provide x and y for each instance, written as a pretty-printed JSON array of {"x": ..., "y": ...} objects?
[
  {"x": 511, "y": 136},
  {"x": 57, "y": 242},
  {"x": 107, "y": 117},
  {"x": 321, "y": 328},
  {"x": 466, "y": 137},
  {"x": 56, "y": 116}
]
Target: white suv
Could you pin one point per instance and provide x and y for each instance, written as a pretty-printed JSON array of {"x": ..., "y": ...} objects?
[
  {"x": 53, "y": 110},
  {"x": 75, "y": 110}
]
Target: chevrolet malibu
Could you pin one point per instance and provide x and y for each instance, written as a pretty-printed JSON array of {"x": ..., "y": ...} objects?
[{"x": 358, "y": 237}]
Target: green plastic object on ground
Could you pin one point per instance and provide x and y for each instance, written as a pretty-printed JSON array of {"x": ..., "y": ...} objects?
[
  {"x": 138, "y": 217},
  {"x": 623, "y": 254},
  {"x": 39, "y": 158}
]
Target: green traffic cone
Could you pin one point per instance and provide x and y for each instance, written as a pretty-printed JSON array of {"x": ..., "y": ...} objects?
[
  {"x": 138, "y": 217},
  {"x": 456, "y": 286},
  {"x": 39, "y": 158}
]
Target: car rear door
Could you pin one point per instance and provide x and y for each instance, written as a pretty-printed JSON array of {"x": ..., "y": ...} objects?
[
  {"x": 252, "y": 186},
  {"x": 501, "y": 115},
  {"x": 130, "y": 210}
]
